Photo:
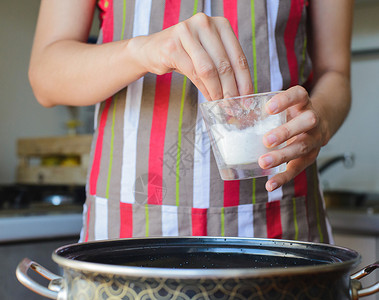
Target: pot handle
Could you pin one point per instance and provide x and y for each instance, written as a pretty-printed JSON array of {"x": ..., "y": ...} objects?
[
  {"x": 22, "y": 276},
  {"x": 357, "y": 290}
]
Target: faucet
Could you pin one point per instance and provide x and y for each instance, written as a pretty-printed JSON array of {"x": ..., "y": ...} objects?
[{"x": 347, "y": 158}]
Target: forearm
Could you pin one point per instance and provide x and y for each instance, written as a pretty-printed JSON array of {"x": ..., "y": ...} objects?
[
  {"x": 331, "y": 28},
  {"x": 69, "y": 72},
  {"x": 331, "y": 99}
]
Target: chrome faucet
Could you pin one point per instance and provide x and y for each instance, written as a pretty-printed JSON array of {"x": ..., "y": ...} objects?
[{"x": 347, "y": 158}]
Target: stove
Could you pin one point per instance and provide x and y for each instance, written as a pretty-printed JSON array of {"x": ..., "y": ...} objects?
[
  {"x": 38, "y": 199},
  {"x": 31, "y": 212}
]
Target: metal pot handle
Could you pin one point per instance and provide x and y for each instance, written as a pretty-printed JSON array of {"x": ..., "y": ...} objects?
[
  {"x": 357, "y": 290},
  {"x": 22, "y": 276}
]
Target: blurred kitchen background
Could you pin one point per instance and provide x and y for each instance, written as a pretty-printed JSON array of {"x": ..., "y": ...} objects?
[{"x": 44, "y": 154}]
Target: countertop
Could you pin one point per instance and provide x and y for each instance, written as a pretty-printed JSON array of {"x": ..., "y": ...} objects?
[
  {"x": 16, "y": 227},
  {"x": 362, "y": 222}
]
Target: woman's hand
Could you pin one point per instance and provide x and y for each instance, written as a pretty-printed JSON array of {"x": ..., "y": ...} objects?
[
  {"x": 205, "y": 49},
  {"x": 303, "y": 132}
]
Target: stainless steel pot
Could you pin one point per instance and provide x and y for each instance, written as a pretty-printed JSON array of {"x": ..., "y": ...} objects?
[{"x": 201, "y": 268}]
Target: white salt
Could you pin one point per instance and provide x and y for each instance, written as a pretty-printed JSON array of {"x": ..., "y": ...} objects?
[{"x": 243, "y": 146}]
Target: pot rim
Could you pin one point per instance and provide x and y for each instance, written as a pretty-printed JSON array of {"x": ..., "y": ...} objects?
[{"x": 220, "y": 273}]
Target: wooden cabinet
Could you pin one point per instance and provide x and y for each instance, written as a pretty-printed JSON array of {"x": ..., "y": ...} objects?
[{"x": 53, "y": 160}]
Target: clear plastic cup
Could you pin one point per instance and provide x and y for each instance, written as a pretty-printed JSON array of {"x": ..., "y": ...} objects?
[{"x": 236, "y": 127}]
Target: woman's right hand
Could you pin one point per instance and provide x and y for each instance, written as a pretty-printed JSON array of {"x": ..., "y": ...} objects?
[{"x": 203, "y": 48}]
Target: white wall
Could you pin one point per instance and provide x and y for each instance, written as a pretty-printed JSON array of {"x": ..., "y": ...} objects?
[
  {"x": 20, "y": 113},
  {"x": 360, "y": 132}
]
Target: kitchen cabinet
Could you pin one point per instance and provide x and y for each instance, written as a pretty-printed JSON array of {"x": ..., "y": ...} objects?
[{"x": 53, "y": 160}]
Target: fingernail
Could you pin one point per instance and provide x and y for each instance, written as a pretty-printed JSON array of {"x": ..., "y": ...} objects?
[
  {"x": 273, "y": 186},
  {"x": 267, "y": 161},
  {"x": 272, "y": 106},
  {"x": 271, "y": 139}
]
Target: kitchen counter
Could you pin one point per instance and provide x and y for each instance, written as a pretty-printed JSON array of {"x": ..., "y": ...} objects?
[
  {"x": 363, "y": 222},
  {"x": 40, "y": 223},
  {"x": 39, "y": 227}
]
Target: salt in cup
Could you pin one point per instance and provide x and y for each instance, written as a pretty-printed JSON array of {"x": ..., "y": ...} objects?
[{"x": 236, "y": 127}]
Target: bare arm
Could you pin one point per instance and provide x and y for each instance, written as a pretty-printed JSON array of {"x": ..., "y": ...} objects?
[
  {"x": 66, "y": 70},
  {"x": 314, "y": 118},
  {"x": 331, "y": 31}
]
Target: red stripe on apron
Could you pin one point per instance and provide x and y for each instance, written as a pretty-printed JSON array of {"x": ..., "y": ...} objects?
[
  {"x": 301, "y": 189},
  {"x": 289, "y": 38},
  {"x": 231, "y": 193},
  {"x": 94, "y": 175},
  {"x": 273, "y": 219},
  {"x": 87, "y": 222},
  {"x": 230, "y": 12},
  {"x": 107, "y": 20},
  {"x": 126, "y": 220},
  {"x": 199, "y": 221},
  {"x": 159, "y": 120},
  {"x": 300, "y": 182},
  {"x": 157, "y": 137},
  {"x": 231, "y": 188}
]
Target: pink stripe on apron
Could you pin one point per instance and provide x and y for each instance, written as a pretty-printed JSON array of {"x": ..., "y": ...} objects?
[
  {"x": 199, "y": 221},
  {"x": 289, "y": 39},
  {"x": 231, "y": 188},
  {"x": 94, "y": 175},
  {"x": 274, "y": 222},
  {"x": 158, "y": 126}
]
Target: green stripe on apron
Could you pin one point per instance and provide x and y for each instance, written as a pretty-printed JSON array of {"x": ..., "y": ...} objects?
[
  {"x": 147, "y": 220},
  {"x": 316, "y": 199},
  {"x": 255, "y": 72},
  {"x": 222, "y": 221},
  {"x": 180, "y": 140},
  {"x": 178, "y": 153},
  {"x": 295, "y": 219},
  {"x": 303, "y": 60},
  {"x": 123, "y": 19},
  {"x": 111, "y": 147}
]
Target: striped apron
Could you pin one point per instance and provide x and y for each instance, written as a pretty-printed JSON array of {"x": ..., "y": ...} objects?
[{"x": 152, "y": 171}]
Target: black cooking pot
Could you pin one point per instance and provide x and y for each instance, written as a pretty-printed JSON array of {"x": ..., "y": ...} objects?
[{"x": 201, "y": 268}]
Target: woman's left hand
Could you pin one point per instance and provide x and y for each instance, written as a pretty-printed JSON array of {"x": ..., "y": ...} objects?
[{"x": 303, "y": 133}]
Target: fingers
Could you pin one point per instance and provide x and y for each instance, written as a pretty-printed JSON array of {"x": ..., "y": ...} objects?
[
  {"x": 305, "y": 121},
  {"x": 301, "y": 146},
  {"x": 299, "y": 154},
  {"x": 302, "y": 133},
  {"x": 205, "y": 50},
  {"x": 211, "y": 41},
  {"x": 204, "y": 67},
  {"x": 217, "y": 58},
  {"x": 296, "y": 95},
  {"x": 237, "y": 57},
  {"x": 294, "y": 167},
  {"x": 184, "y": 65}
]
